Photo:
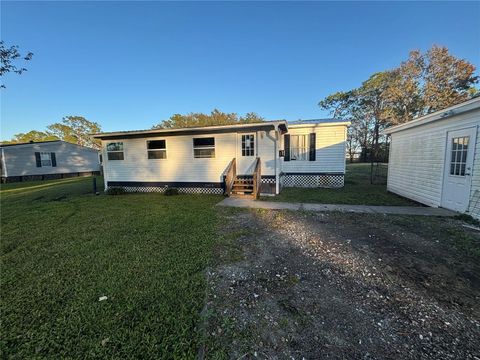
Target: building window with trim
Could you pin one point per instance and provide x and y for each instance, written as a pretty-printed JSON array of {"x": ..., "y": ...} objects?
[
  {"x": 157, "y": 149},
  {"x": 46, "y": 159},
  {"x": 458, "y": 160},
  {"x": 115, "y": 151},
  {"x": 299, "y": 147},
  {"x": 204, "y": 147},
  {"x": 248, "y": 145}
]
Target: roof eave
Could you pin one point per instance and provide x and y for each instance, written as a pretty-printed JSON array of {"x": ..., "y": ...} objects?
[{"x": 271, "y": 125}]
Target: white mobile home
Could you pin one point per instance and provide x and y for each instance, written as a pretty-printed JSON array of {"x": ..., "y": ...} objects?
[
  {"x": 242, "y": 158},
  {"x": 46, "y": 160},
  {"x": 435, "y": 159}
]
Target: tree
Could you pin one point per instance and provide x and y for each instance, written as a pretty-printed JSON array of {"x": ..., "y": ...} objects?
[
  {"x": 216, "y": 117},
  {"x": 448, "y": 80},
  {"x": 32, "y": 135},
  {"x": 76, "y": 130},
  {"x": 421, "y": 84},
  {"x": 404, "y": 91},
  {"x": 366, "y": 107},
  {"x": 9, "y": 56}
]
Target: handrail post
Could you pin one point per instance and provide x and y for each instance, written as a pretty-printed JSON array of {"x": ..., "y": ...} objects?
[
  {"x": 257, "y": 178},
  {"x": 230, "y": 176}
]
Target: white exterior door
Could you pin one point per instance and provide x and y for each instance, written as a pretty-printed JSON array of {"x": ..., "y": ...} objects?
[
  {"x": 458, "y": 169},
  {"x": 246, "y": 153}
]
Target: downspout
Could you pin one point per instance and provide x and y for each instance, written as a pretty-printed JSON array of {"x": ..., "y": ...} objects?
[
  {"x": 275, "y": 141},
  {"x": 104, "y": 166}
]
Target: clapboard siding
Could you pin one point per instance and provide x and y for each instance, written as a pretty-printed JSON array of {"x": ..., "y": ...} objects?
[
  {"x": 474, "y": 208},
  {"x": 180, "y": 164},
  {"x": 417, "y": 158},
  {"x": 19, "y": 160},
  {"x": 329, "y": 150}
]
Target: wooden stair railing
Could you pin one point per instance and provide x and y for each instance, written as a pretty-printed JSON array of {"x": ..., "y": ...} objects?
[
  {"x": 257, "y": 179},
  {"x": 230, "y": 176}
]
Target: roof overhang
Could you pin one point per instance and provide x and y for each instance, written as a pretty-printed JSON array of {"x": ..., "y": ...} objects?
[
  {"x": 470, "y": 105},
  {"x": 318, "y": 123},
  {"x": 221, "y": 129}
]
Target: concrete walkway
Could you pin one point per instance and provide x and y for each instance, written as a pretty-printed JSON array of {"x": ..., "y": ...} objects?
[{"x": 367, "y": 209}]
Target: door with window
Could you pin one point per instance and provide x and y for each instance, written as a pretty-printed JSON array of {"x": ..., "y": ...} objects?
[
  {"x": 246, "y": 153},
  {"x": 458, "y": 169}
]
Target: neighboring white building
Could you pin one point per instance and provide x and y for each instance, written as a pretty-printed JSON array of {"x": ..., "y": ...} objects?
[
  {"x": 435, "y": 159},
  {"x": 203, "y": 159},
  {"x": 46, "y": 160}
]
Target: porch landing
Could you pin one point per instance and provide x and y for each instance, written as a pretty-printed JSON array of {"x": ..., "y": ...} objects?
[{"x": 369, "y": 209}]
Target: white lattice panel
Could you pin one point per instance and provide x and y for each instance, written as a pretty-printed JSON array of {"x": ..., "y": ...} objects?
[{"x": 311, "y": 181}]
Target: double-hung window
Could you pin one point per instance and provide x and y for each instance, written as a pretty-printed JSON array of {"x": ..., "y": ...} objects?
[
  {"x": 204, "y": 147},
  {"x": 157, "y": 149},
  {"x": 46, "y": 159},
  {"x": 248, "y": 145},
  {"x": 299, "y": 147},
  {"x": 115, "y": 151}
]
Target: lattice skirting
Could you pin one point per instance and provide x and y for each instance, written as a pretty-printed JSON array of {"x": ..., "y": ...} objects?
[
  {"x": 183, "y": 187},
  {"x": 181, "y": 190},
  {"x": 312, "y": 180}
]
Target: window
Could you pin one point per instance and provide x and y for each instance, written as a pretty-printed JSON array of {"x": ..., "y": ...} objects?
[
  {"x": 248, "y": 145},
  {"x": 458, "y": 161},
  {"x": 299, "y": 148},
  {"x": 46, "y": 158},
  {"x": 157, "y": 149},
  {"x": 204, "y": 147},
  {"x": 115, "y": 151}
]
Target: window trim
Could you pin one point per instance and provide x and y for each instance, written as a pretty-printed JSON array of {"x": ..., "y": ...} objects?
[
  {"x": 156, "y": 150},
  {"x": 305, "y": 148},
  {"x": 204, "y": 147},
  {"x": 115, "y": 151}
]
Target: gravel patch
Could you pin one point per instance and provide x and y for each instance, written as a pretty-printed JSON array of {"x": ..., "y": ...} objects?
[{"x": 331, "y": 285}]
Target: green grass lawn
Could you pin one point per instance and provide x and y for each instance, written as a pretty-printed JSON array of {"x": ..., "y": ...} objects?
[
  {"x": 62, "y": 248},
  {"x": 357, "y": 191}
]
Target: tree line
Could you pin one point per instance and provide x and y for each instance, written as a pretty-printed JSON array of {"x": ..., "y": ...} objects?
[
  {"x": 78, "y": 130},
  {"x": 424, "y": 83}
]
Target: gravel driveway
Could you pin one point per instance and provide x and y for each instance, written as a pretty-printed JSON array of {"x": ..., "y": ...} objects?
[{"x": 298, "y": 285}]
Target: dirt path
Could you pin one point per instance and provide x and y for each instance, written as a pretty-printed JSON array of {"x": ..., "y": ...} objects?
[{"x": 343, "y": 286}]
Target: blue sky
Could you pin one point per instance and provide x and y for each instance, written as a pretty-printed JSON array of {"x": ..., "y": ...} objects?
[{"x": 128, "y": 65}]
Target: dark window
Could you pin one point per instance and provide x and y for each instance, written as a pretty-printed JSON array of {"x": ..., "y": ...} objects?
[
  {"x": 157, "y": 149},
  {"x": 204, "y": 147},
  {"x": 248, "y": 145},
  {"x": 115, "y": 151},
  {"x": 203, "y": 142},
  {"x": 115, "y": 156}
]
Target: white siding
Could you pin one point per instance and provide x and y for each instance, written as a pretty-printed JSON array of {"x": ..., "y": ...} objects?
[
  {"x": 417, "y": 158},
  {"x": 474, "y": 208},
  {"x": 20, "y": 159},
  {"x": 180, "y": 164},
  {"x": 330, "y": 150}
]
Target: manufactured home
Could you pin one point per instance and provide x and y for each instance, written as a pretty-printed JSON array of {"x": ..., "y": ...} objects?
[
  {"x": 247, "y": 159},
  {"x": 46, "y": 160},
  {"x": 435, "y": 159}
]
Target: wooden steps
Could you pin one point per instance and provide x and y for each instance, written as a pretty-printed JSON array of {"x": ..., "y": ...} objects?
[{"x": 242, "y": 186}]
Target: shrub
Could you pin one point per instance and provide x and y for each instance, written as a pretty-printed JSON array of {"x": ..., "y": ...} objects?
[
  {"x": 115, "y": 191},
  {"x": 171, "y": 191}
]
